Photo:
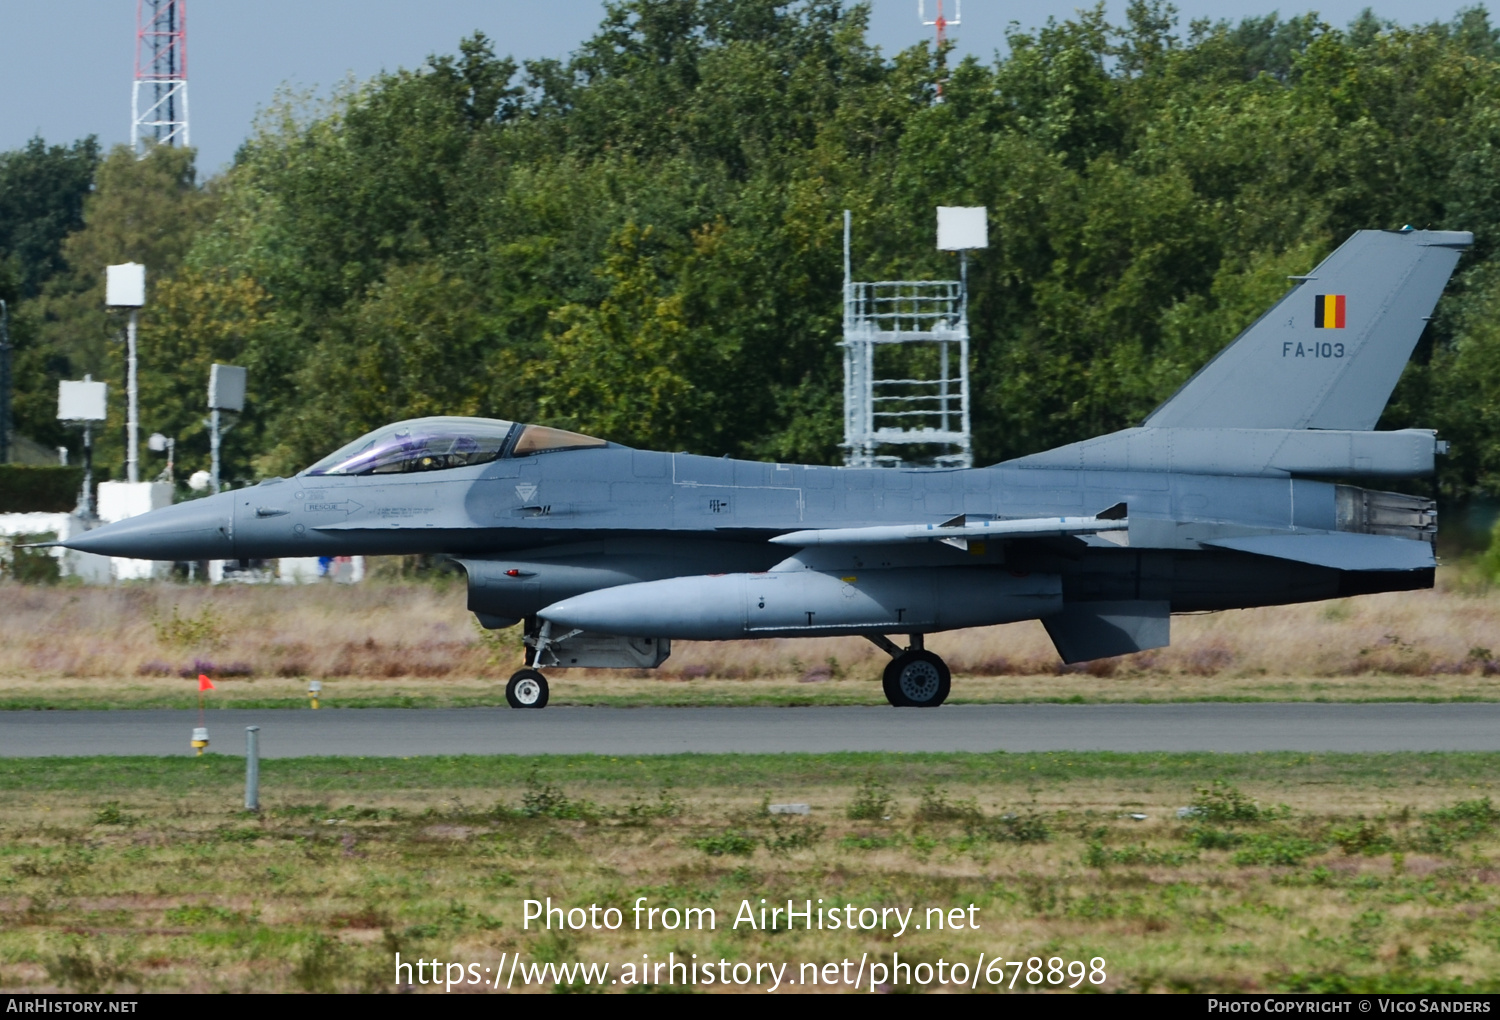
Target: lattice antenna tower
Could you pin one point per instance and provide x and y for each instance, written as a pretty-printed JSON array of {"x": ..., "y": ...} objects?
[
  {"x": 159, "y": 96},
  {"x": 941, "y": 24}
]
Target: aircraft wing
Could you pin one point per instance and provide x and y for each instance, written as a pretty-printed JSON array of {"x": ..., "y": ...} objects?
[{"x": 960, "y": 531}]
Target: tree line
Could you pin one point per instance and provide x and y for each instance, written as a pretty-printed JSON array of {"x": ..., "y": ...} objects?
[{"x": 643, "y": 241}]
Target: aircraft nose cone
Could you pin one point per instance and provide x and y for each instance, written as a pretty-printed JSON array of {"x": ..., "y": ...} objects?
[{"x": 198, "y": 530}]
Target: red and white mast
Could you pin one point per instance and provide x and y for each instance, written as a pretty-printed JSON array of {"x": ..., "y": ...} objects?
[
  {"x": 942, "y": 24},
  {"x": 159, "y": 96}
]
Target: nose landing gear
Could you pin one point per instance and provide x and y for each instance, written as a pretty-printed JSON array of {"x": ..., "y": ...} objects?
[
  {"x": 527, "y": 689},
  {"x": 915, "y": 677}
]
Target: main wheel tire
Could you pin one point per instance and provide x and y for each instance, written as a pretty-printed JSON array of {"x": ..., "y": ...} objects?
[
  {"x": 527, "y": 689},
  {"x": 916, "y": 679}
]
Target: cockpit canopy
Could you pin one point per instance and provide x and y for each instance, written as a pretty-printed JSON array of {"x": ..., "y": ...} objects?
[{"x": 432, "y": 444}]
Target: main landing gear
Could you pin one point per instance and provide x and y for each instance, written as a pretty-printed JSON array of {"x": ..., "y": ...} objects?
[{"x": 915, "y": 678}]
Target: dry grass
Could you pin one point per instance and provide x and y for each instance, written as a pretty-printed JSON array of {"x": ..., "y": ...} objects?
[
  {"x": 143, "y": 875},
  {"x": 389, "y": 643}
]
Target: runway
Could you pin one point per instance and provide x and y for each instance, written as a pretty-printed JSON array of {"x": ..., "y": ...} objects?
[{"x": 641, "y": 731}]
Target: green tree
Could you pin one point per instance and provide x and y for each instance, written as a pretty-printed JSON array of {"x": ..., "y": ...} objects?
[
  {"x": 633, "y": 368},
  {"x": 42, "y": 192}
]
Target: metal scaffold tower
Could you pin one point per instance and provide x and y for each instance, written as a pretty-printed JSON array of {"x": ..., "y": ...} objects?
[
  {"x": 906, "y": 359},
  {"x": 159, "y": 96}
]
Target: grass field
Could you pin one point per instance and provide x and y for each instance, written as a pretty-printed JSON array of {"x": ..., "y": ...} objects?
[
  {"x": 1290, "y": 872},
  {"x": 400, "y": 644}
]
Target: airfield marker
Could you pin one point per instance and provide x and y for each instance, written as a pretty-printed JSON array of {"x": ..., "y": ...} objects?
[
  {"x": 200, "y": 732},
  {"x": 252, "y": 768}
]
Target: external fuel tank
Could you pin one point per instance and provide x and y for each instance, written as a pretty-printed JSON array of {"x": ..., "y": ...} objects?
[{"x": 803, "y": 603}]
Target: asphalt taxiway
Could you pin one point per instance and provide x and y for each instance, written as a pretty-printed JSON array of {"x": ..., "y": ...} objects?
[{"x": 1226, "y": 727}]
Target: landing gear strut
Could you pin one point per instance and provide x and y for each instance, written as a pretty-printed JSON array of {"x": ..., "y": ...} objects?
[
  {"x": 915, "y": 678},
  {"x": 527, "y": 687}
]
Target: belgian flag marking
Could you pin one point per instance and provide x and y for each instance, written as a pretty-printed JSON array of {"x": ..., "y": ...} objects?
[{"x": 1328, "y": 312}]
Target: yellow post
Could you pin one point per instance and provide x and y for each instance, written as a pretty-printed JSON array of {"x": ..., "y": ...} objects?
[{"x": 314, "y": 688}]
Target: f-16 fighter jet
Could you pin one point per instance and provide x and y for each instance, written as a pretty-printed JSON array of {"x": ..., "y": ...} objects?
[{"x": 606, "y": 554}]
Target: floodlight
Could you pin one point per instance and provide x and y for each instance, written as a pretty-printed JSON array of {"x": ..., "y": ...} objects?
[
  {"x": 226, "y": 388},
  {"x": 125, "y": 285},
  {"x": 81, "y": 400},
  {"x": 962, "y": 228}
]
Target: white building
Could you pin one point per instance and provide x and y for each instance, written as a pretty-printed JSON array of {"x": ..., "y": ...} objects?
[{"x": 91, "y": 569}]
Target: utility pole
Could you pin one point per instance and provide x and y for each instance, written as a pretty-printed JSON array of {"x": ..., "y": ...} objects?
[
  {"x": 132, "y": 403},
  {"x": 125, "y": 287},
  {"x": 5, "y": 422},
  {"x": 226, "y": 392},
  {"x": 86, "y": 497},
  {"x": 159, "y": 96},
  {"x": 215, "y": 438},
  {"x": 84, "y": 403}
]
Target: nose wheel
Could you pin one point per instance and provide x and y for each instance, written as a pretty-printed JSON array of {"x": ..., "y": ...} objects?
[
  {"x": 527, "y": 689},
  {"x": 915, "y": 677}
]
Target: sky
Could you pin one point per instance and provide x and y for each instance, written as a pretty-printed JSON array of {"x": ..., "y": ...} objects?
[{"x": 66, "y": 66}]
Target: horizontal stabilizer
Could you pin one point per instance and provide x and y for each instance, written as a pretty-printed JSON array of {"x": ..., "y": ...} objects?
[
  {"x": 1340, "y": 550},
  {"x": 1097, "y": 630},
  {"x": 960, "y": 530}
]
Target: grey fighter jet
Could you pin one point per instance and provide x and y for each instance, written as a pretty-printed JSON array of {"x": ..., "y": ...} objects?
[{"x": 606, "y": 554}]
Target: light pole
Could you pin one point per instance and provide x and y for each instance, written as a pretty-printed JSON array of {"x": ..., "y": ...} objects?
[
  {"x": 83, "y": 402},
  {"x": 4, "y": 383},
  {"x": 159, "y": 443},
  {"x": 125, "y": 287},
  {"x": 226, "y": 392}
]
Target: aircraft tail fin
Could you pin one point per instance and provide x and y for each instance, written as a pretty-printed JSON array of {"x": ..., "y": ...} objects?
[{"x": 1329, "y": 353}]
